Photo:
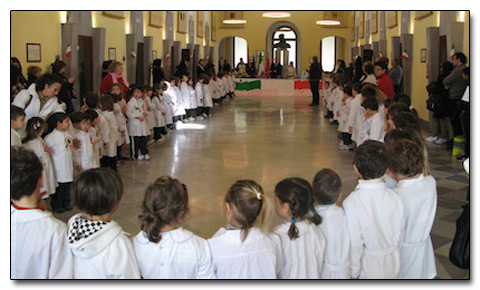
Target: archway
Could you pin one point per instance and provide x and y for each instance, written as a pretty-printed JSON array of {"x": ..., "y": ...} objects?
[
  {"x": 232, "y": 49},
  {"x": 293, "y": 37},
  {"x": 331, "y": 49}
]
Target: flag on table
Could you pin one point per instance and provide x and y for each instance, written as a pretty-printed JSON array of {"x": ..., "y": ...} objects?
[
  {"x": 261, "y": 66},
  {"x": 267, "y": 66},
  {"x": 452, "y": 52},
  {"x": 253, "y": 62},
  {"x": 133, "y": 54},
  {"x": 247, "y": 86},
  {"x": 68, "y": 53},
  {"x": 405, "y": 55}
]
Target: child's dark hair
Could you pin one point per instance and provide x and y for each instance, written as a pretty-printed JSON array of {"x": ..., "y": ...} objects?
[
  {"x": 370, "y": 103},
  {"x": 402, "y": 98},
  {"x": 92, "y": 114},
  {"x": 369, "y": 92},
  {"x": 327, "y": 186},
  {"x": 405, "y": 121},
  {"x": 165, "y": 202},
  {"x": 138, "y": 88},
  {"x": 370, "y": 159},
  {"x": 148, "y": 88},
  {"x": 91, "y": 100},
  {"x": 405, "y": 157},
  {"x": 25, "y": 171},
  {"x": 16, "y": 112},
  {"x": 106, "y": 103},
  {"x": 54, "y": 119},
  {"x": 298, "y": 193},
  {"x": 382, "y": 64},
  {"x": 357, "y": 87},
  {"x": 248, "y": 202},
  {"x": 77, "y": 117},
  {"x": 34, "y": 126},
  {"x": 387, "y": 103},
  {"x": 206, "y": 79},
  {"x": 368, "y": 68},
  {"x": 347, "y": 89},
  {"x": 97, "y": 191}
]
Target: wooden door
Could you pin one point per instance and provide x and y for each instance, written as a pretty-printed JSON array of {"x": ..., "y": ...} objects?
[{"x": 85, "y": 64}]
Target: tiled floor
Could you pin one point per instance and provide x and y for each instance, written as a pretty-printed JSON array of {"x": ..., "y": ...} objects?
[{"x": 268, "y": 139}]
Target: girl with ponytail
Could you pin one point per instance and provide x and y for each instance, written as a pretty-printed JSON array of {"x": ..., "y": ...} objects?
[
  {"x": 243, "y": 250},
  {"x": 302, "y": 242},
  {"x": 164, "y": 249}
]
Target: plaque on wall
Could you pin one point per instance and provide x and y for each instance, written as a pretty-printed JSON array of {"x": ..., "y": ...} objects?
[
  {"x": 373, "y": 22},
  {"x": 114, "y": 14},
  {"x": 34, "y": 52},
  {"x": 156, "y": 19},
  {"x": 391, "y": 18},
  {"x": 182, "y": 22},
  {"x": 200, "y": 24}
]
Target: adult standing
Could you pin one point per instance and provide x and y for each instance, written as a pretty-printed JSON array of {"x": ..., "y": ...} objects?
[
  {"x": 358, "y": 74},
  {"x": 40, "y": 99},
  {"x": 465, "y": 115},
  {"x": 291, "y": 71},
  {"x": 182, "y": 69},
  {"x": 115, "y": 75},
  {"x": 315, "y": 73},
  {"x": 385, "y": 83},
  {"x": 158, "y": 74},
  {"x": 67, "y": 92},
  {"x": 396, "y": 74},
  {"x": 226, "y": 66},
  {"x": 200, "y": 68},
  {"x": 210, "y": 67},
  {"x": 456, "y": 86}
]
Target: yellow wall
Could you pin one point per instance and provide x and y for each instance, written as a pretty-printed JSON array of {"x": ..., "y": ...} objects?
[
  {"x": 419, "y": 69},
  {"x": 158, "y": 34},
  {"x": 255, "y": 32},
  {"x": 394, "y": 31},
  {"x": 35, "y": 27},
  {"x": 115, "y": 32}
]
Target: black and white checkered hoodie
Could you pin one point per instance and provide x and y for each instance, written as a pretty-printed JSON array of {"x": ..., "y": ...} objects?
[{"x": 87, "y": 238}]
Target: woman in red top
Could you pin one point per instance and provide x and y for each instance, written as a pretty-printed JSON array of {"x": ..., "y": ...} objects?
[
  {"x": 384, "y": 82},
  {"x": 115, "y": 71}
]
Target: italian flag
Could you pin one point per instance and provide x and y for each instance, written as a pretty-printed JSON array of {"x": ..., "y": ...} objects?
[
  {"x": 68, "y": 53},
  {"x": 405, "y": 55},
  {"x": 133, "y": 54},
  {"x": 452, "y": 52}
]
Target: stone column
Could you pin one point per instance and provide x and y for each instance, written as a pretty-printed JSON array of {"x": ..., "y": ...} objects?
[
  {"x": 407, "y": 44},
  {"x": 147, "y": 59},
  {"x": 167, "y": 63},
  {"x": 98, "y": 50},
  {"x": 433, "y": 42}
]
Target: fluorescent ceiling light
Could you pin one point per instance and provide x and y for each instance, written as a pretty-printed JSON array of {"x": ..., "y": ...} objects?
[
  {"x": 276, "y": 14},
  {"x": 234, "y": 21},
  {"x": 328, "y": 22}
]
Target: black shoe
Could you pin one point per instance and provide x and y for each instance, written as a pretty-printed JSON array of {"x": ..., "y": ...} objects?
[
  {"x": 59, "y": 210},
  {"x": 461, "y": 158},
  {"x": 313, "y": 105},
  {"x": 68, "y": 208}
]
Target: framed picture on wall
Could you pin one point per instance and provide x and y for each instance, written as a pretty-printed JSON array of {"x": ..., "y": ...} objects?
[
  {"x": 154, "y": 54},
  {"x": 423, "y": 55},
  {"x": 422, "y": 14},
  {"x": 34, "y": 52},
  {"x": 156, "y": 19},
  {"x": 182, "y": 22},
  {"x": 112, "y": 53},
  {"x": 361, "y": 24},
  {"x": 391, "y": 18},
  {"x": 200, "y": 23}
]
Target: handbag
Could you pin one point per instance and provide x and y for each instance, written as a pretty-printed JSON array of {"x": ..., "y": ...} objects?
[{"x": 460, "y": 249}]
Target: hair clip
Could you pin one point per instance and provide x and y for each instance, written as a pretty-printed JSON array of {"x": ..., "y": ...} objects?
[
  {"x": 259, "y": 196},
  {"x": 315, "y": 212},
  {"x": 293, "y": 220}
]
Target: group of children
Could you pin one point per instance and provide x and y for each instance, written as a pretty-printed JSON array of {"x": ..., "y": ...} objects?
[
  {"x": 382, "y": 231},
  {"x": 95, "y": 136},
  {"x": 359, "y": 110}
]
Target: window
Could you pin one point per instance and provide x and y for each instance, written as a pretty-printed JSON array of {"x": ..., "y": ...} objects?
[
  {"x": 291, "y": 38},
  {"x": 328, "y": 53},
  {"x": 240, "y": 50}
]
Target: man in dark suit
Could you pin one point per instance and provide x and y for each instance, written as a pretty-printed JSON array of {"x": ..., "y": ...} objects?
[{"x": 315, "y": 74}]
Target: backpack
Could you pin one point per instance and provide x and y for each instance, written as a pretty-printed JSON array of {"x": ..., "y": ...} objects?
[{"x": 460, "y": 249}]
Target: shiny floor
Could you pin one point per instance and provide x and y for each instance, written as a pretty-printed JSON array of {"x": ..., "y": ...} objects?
[{"x": 267, "y": 139}]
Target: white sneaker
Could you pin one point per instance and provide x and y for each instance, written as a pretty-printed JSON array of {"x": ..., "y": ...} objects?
[
  {"x": 431, "y": 139},
  {"x": 147, "y": 157},
  {"x": 185, "y": 121},
  {"x": 191, "y": 119},
  {"x": 178, "y": 122},
  {"x": 205, "y": 115},
  {"x": 200, "y": 117},
  {"x": 441, "y": 141},
  {"x": 151, "y": 141},
  {"x": 140, "y": 157}
]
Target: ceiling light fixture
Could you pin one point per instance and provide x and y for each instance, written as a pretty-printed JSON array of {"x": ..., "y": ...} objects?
[
  {"x": 234, "y": 21},
  {"x": 328, "y": 22},
  {"x": 276, "y": 14}
]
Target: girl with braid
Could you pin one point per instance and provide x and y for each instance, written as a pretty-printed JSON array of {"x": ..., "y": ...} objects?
[
  {"x": 302, "y": 242},
  {"x": 163, "y": 248},
  {"x": 242, "y": 250}
]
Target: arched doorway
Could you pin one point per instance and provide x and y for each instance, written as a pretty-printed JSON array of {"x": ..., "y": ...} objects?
[
  {"x": 331, "y": 49},
  {"x": 232, "y": 49},
  {"x": 292, "y": 34}
]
